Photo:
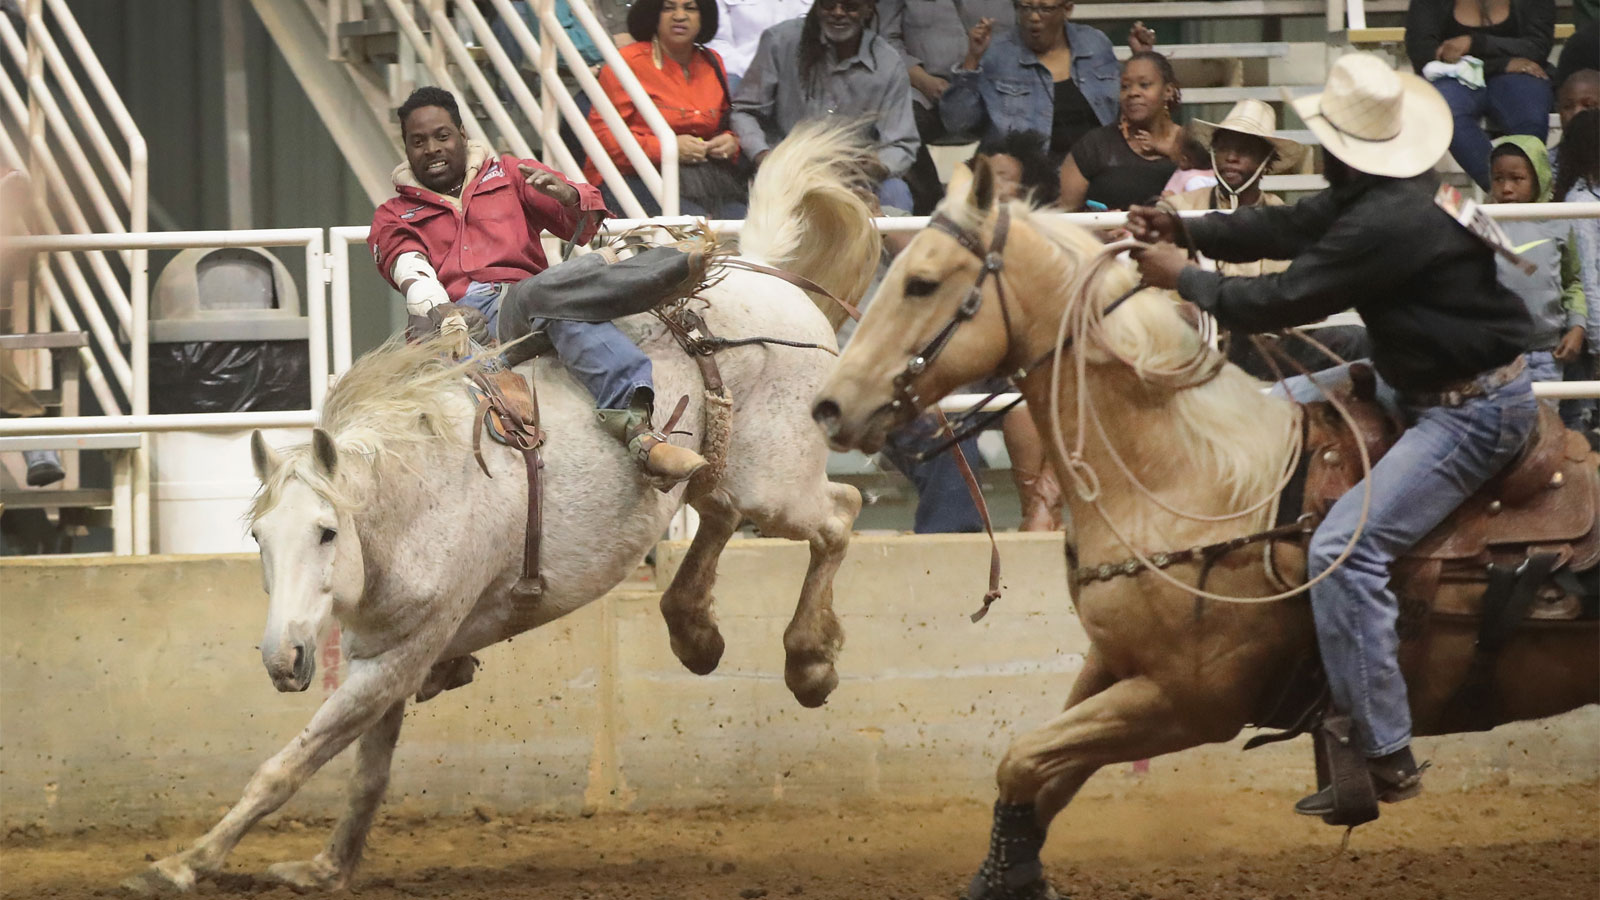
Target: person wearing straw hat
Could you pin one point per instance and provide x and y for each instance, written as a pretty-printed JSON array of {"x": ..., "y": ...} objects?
[
  {"x": 1447, "y": 345},
  {"x": 1243, "y": 147}
]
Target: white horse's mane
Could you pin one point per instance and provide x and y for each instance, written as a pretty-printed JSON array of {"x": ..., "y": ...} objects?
[
  {"x": 391, "y": 404},
  {"x": 1214, "y": 420}
]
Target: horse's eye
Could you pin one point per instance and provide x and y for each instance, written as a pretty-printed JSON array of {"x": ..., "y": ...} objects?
[
  {"x": 328, "y": 534},
  {"x": 920, "y": 287}
]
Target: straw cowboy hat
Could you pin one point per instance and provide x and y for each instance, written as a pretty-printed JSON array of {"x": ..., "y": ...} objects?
[
  {"x": 1255, "y": 118},
  {"x": 1377, "y": 120}
]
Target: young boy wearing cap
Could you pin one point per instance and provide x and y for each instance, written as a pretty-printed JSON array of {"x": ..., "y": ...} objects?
[{"x": 1447, "y": 339}]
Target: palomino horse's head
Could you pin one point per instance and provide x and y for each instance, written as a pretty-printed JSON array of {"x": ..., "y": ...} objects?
[
  {"x": 940, "y": 319},
  {"x": 310, "y": 556}
]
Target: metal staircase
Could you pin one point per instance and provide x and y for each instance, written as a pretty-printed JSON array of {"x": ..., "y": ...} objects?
[
  {"x": 73, "y": 315},
  {"x": 358, "y": 59}
]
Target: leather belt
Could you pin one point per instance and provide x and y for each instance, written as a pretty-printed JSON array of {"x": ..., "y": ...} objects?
[{"x": 1459, "y": 392}]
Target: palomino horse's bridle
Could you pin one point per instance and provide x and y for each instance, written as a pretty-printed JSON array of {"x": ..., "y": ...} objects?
[{"x": 906, "y": 400}]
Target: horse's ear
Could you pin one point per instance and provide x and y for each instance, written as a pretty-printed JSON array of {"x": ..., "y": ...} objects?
[
  {"x": 982, "y": 196},
  {"x": 960, "y": 182},
  {"x": 265, "y": 459},
  {"x": 324, "y": 451}
]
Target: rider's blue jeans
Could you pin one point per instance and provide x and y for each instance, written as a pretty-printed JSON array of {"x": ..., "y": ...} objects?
[
  {"x": 598, "y": 354},
  {"x": 1444, "y": 455}
]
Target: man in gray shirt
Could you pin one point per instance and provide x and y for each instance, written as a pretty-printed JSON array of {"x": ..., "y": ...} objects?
[{"x": 826, "y": 64}]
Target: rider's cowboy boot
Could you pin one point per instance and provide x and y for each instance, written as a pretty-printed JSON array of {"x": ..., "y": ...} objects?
[
  {"x": 1395, "y": 777},
  {"x": 666, "y": 465}
]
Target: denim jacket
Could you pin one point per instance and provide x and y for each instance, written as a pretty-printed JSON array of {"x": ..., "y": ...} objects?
[{"x": 1012, "y": 91}]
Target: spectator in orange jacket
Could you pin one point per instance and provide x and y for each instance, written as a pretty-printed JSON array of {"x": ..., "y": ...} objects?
[{"x": 687, "y": 82}]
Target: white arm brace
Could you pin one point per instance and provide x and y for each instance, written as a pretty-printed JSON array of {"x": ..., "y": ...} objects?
[{"x": 425, "y": 291}]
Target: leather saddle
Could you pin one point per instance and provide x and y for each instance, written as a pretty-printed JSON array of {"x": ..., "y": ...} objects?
[
  {"x": 1525, "y": 547},
  {"x": 1547, "y": 500}
]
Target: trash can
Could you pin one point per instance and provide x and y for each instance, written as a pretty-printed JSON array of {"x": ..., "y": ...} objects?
[{"x": 226, "y": 335}]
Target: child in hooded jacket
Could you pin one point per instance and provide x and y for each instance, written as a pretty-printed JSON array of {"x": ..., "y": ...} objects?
[{"x": 1519, "y": 168}]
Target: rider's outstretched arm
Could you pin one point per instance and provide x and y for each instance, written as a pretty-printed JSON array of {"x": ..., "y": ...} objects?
[
  {"x": 1263, "y": 232},
  {"x": 1354, "y": 258}
]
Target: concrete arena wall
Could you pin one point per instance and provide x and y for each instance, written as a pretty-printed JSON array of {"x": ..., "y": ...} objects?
[{"x": 131, "y": 691}]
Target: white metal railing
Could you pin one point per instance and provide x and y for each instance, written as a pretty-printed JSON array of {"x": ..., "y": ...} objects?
[
  {"x": 327, "y": 292},
  {"x": 427, "y": 30},
  {"x": 140, "y": 420}
]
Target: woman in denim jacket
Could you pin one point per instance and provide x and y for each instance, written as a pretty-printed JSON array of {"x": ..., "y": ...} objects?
[{"x": 1051, "y": 77}]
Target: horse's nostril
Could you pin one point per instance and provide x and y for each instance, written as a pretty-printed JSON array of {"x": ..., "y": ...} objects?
[
  {"x": 825, "y": 413},
  {"x": 302, "y": 661}
]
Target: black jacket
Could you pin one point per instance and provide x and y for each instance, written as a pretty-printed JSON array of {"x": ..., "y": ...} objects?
[
  {"x": 1425, "y": 286},
  {"x": 1430, "y": 22}
]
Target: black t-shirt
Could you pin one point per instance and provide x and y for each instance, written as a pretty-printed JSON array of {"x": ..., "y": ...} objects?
[
  {"x": 1117, "y": 176},
  {"x": 1073, "y": 118}
]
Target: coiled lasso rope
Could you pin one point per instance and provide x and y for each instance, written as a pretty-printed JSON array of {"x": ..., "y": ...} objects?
[{"x": 1086, "y": 323}]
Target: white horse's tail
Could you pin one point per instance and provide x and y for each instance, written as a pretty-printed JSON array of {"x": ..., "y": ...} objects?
[{"x": 805, "y": 217}]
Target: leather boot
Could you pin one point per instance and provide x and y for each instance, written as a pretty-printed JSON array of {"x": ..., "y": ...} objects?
[
  {"x": 666, "y": 465},
  {"x": 1040, "y": 494},
  {"x": 1395, "y": 777},
  {"x": 1037, "y": 488}
]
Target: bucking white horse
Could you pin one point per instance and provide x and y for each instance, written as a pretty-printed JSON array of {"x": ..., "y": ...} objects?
[{"x": 385, "y": 524}]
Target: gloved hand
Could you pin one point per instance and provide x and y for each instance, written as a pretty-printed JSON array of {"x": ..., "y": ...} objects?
[{"x": 477, "y": 325}]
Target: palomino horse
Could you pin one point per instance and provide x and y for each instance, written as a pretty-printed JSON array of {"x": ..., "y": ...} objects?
[
  {"x": 1167, "y": 669},
  {"x": 385, "y": 523}
]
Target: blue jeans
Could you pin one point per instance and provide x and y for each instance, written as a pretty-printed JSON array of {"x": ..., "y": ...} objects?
[
  {"x": 1514, "y": 103},
  {"x": 1445, "y": 455},
  {"x": 944, "y": 505},
  {"x": 1542, "y": 366},
  {"x": 894, "y": 193},
  {"x": 598, "y": 354}
]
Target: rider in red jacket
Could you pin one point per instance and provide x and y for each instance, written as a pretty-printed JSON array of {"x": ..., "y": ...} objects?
[{"x": 465, "y": 226}]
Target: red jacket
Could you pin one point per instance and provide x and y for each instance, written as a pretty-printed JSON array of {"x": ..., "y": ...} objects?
[
  {"x": 697, "y": 105},
  {"x": 492, "y": 237}
]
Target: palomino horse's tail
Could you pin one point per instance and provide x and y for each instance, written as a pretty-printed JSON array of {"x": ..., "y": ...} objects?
[{"x": 805, "y": 217}]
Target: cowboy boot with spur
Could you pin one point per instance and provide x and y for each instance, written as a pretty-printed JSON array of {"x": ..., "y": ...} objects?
[
  {"x": 1395, "y": 777},
  {"x": 665, "y": 465}
]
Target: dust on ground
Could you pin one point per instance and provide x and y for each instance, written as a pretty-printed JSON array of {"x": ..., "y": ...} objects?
[{"x": 1485, "y": 844}]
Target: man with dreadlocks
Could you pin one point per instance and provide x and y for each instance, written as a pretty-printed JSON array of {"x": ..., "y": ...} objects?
[{"x": 831, "y": 63}]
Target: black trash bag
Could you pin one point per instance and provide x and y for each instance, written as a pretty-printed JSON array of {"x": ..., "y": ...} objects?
[{"x": 229, "y": 376}]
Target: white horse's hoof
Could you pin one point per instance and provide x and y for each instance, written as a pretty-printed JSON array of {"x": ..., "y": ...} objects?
[
  {"x": 811, "y": 677},
  {"x": 698, "y": 645},
  {"x": 317, "y": 874},
  {"x": 164, "y": 878}
]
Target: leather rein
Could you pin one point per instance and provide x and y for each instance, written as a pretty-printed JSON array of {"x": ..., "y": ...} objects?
[{"x": 906, "y": 400}]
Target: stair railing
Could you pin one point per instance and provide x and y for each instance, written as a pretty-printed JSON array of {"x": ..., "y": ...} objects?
[{"x": 441, "y": 49}]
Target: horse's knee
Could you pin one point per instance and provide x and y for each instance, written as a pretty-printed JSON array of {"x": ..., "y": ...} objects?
[{"x": 1020, "y": 774}]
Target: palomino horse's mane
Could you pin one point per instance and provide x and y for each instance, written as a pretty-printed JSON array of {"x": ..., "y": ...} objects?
[
  {"x": 1219, "y": 423},
  {"x": 390, "y": 404}
]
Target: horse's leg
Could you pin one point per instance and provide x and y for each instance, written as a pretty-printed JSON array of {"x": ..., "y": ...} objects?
[
  {"x": 686, "y": 604},
  {"x": 1059, "y": 791},
  {"x": 811, "y": 642},
  {"x": 333, "y": 867},
  {"x": 1127, "y": 720},
  {"x": 374, "y": 685}
]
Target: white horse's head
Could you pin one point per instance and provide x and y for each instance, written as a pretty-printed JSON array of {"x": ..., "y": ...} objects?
[{"x": 310, "y": 556}]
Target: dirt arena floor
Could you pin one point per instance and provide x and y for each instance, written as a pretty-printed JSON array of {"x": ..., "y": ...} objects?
[{"x": 1526, "y": 844}]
